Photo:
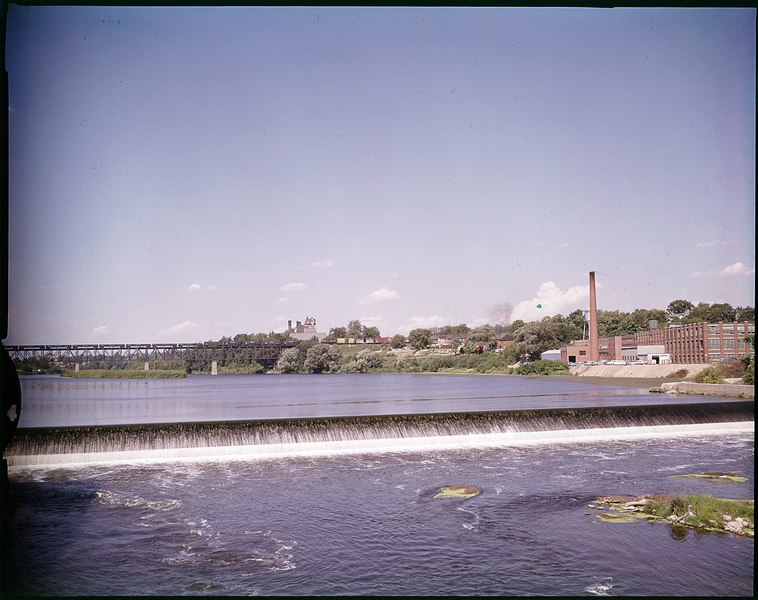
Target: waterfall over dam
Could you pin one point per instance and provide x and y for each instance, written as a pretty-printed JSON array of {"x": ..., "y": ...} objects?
[{"x": 277, "y": 437}]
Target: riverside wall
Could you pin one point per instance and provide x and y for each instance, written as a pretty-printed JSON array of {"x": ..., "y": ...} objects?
[{"x": 635, "y": 371}]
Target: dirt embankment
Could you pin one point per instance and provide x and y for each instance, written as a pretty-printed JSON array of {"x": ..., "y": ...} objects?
[{"x": 636, "y": 371}]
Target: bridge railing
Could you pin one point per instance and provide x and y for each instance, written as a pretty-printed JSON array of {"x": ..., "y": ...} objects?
[{"x": 177, "y": 355}]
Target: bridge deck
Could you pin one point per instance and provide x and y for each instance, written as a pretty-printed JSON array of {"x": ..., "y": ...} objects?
[{"x": 177, "y": 354}]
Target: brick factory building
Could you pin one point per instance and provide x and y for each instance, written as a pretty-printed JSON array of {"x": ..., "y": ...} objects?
[
  {"x": 691, "y": 343},
  {"x": 701, "y": 342}
]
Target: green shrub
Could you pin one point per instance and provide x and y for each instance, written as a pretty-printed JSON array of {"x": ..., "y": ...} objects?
[
  {"x": 709, "y": 375},
  {"x": 542, "y": 367},
  {"x": 748, "y": 369}
]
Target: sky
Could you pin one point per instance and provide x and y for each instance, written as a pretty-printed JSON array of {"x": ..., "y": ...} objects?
[{"x": 181, "y": 174}]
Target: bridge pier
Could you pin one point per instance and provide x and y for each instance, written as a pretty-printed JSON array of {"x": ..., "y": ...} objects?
[
  {"x": 76, "y": 368},
  {"x": 147, "y": 366},
  {"x": 214, "y": 367}
]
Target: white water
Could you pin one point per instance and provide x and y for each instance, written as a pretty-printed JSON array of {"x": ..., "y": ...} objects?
[{"x": 379, "y": 445}]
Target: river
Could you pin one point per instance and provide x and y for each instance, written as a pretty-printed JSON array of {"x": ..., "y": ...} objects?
[{"x": 366, "y": 522}]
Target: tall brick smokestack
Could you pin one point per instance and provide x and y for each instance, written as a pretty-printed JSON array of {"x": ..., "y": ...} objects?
[{"x": 594, "y": 341}]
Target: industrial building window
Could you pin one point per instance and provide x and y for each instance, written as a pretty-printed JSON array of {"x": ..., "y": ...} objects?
[
  {"x": 751, "y": 328},
  {"x": 740, "y": 329},
  {"x": 741, "y": 343},
  {"x": 728, "y": 344},
  {"x": 728, "y": 329},
  {"x": 713, "y": 329},
  {"x": 714, "y": 344}
]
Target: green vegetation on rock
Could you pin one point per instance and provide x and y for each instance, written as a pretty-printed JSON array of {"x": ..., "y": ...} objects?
[
  {"x": 457, "y": 491},
  {"x": 715, "y": 477},
  {"x": 696, "y": 511},
  {"x": 617, "y": 517}
]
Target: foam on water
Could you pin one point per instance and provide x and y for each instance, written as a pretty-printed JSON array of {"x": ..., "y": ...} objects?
[
  {"x": 602, "y": 587},
  {"x": 375, "y": 445}
]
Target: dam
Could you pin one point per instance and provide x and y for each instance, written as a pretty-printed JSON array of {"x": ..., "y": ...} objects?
[{"x": 279, "y": 437}]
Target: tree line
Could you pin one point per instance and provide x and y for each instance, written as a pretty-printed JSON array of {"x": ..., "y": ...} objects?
[{"x": 531, "y": 339}]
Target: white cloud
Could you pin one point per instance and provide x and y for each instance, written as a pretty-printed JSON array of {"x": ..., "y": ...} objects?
[
  {"x": 551, "y": 300},
  {"x": 426, "y": 321},
  {"x": 368, "y": 320},
  {"x": 737, "y": 269},
  {"x": 322, "y": 264},
  {"x": 196, "y": 287},
  {"x": 379, "y": 295},
  {"x": 283, "y": 300},
  {"x": 101, "y": 330},
  {"x": 292, "y": 287},
  {"x": 711, "y": 244},
  {"x": 179, "y": 328}
]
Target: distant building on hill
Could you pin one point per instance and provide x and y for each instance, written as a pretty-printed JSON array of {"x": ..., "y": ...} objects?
[{"x": 304, "y": 331}]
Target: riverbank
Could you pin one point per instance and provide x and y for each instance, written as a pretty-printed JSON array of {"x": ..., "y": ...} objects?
[
  {"x": 730, "y": 390},
  {"x": 125, "y": 374}
]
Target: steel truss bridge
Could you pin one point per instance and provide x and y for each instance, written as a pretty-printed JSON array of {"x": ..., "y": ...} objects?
[{"x": 176, "y": 356}]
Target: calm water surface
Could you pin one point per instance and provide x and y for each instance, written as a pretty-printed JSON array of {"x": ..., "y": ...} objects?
[
  {"x": 367, "y": 523},
  {"x": 58, "y": 401}
]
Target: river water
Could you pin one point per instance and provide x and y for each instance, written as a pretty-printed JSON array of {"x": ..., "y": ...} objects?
[{"x": 367, "y": 523}]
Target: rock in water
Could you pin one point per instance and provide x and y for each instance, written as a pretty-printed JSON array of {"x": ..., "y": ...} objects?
[{"x": 457, "y": 491}]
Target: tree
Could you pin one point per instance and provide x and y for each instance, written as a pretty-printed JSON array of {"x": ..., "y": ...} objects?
[
  {"x": 322, "y": 359},
  {"x": 354, "y": 329},
  {"x": 611, "y": 322},
  {"x": 516, "y": 325},
  {"x": 363, "y": 362},
  {"x": 722, "y": 312},
  {"x": 419, "y": 338},
  {"x": 336, "y": 333},
  {"x": 641, "y": 318},
  {"x": 535, "y": 338},
  {"x": 745, "y": 314},
  {"x": 288, "y": 361},
  {"x": 371, "y": 332},
  {"x": 711, "y": 313},
  {"x": 576, "y": 318},
  {"x": 451, "y": 330},
  {"x": 679, "y": 308},
  {"x": 483, "y": 335},
  {"x": 398, "y": 341}
]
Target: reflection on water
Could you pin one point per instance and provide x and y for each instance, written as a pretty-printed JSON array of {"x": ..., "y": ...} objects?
[{"x": 55, "y": 401}]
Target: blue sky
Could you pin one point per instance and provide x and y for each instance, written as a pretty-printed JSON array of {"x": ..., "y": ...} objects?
[{"x": 183, "y": 174}]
